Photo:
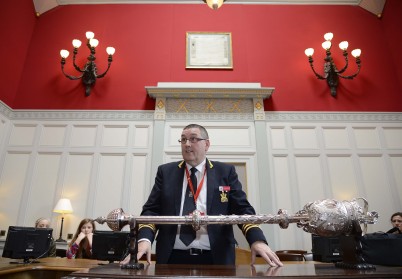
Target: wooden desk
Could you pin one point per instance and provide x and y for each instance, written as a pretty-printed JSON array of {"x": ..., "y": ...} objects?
[
  {"x": 80, "y": 269},
  {"x": 46, "y": 268},
  {"x": 290, "y": 270}
]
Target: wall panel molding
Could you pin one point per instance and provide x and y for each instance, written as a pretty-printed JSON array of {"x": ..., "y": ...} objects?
[
  {"x": 334, "y": 117},
  {"x": 289, "y": 158}
]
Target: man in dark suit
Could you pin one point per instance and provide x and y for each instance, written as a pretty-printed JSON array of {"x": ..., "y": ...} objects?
[{"x": 210, "y": 187}]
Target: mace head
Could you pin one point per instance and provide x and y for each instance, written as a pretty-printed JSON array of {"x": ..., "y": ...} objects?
[{"x": 116, "y": 219}]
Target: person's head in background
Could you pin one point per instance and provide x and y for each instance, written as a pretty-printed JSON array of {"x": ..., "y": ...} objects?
[
  {"x": 396, "y": 220},
  {"x": 86, "y": 226},
  {"x": 83, "y": 235},
  {"x": 42, "y": 223}
]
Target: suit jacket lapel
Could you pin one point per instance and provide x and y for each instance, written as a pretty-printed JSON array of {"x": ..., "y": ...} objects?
[
  {"x": 178, "y": 176},
  {"x": 210, "y": 184}
]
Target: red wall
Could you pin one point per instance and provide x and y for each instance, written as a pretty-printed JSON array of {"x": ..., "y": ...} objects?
[
  {"x": 392, "y": 25},
  {"x": 268, "y": 47},
  {"x": 17, "y": 20}
]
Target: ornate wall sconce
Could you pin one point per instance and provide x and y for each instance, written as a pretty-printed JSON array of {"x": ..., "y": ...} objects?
[
  {"x": 331, "y": 73},
  {"x": 214, "y": 4},
  {"x": 89, "y": 71}
]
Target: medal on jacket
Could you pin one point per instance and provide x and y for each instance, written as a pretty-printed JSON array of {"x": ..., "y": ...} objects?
[{"x": 224, "y": 190}]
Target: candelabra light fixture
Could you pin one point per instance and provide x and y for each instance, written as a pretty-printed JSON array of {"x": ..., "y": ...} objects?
[
  {"x": 214, "y": 4},
  {"x": 89, "y": 73},
  {"x": 331, "y": 72}
]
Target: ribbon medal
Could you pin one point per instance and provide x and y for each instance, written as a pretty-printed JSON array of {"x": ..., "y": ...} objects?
[{"x": 223, "y": 194}]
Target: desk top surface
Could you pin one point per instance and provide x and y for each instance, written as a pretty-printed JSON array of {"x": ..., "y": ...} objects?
[
  {"x": 82, "y": 268},
  {"x": 289, "y": 270},
  {"x": 46, "y": 264}
]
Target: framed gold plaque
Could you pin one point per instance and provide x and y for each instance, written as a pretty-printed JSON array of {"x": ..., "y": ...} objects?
[{"x": 209, "y": 50}]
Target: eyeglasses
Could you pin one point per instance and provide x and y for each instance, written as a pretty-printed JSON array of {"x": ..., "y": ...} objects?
[{"x": 184, "y": 140}]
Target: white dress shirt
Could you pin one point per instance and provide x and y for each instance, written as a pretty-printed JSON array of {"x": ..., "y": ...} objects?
[{"x": 201, "y": 240}]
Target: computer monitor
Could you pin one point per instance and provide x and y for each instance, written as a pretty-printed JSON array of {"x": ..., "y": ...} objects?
[
  {"x": 110, "y": 246},
  {"x": 27, "y": 243}
]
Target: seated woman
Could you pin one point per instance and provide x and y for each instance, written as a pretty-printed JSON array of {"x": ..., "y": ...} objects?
[
  {"x": 396, "y": 221},
  {"x": 45, "y": 223},
  {"x": 81, "y": 244}
]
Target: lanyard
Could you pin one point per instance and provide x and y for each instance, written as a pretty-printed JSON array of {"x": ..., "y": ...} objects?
[{"x": 190, "y": 184}]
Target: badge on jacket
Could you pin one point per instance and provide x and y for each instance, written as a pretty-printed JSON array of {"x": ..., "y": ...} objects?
[{"x": 223, "y": 194}]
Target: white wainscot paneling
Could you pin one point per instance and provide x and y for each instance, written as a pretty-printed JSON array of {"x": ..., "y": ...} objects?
[
  {"x": 304, "y": 138},
  {"x": 223, "y": 136},
  {"x": 227, "y": 136},
  {"x": 309, "y": 184},
  {"x": 115, "y": 135},
  {"x": 3, "y": 128},
  {"x": 53, "y": 135},
  {"x": 139, "y": 191},
  {"x": 393, "y": 137},
  {"x": 11, "y": 187},
  {"x": 342, "y": 176},
  {"x": 283, "y": 196},
  {"x": 22, "y": 135},
  {"x": 278, "y": 137},
  {"x": 396, "y": 163},
  {"x": 377, "y": 188},
  {"x": 336, "y": 138},
  {"x": 282, "y": 183},
  {"x": 141, "y": 136},
  {"x": 83, "y": 135},
  {"x": 75, "y": 187},
  {"x": 109, "y": 185},
  {"x": 174, "y": 133},
  {"x": 43, "y": 186},
  {"x": 366, "y": 137}
]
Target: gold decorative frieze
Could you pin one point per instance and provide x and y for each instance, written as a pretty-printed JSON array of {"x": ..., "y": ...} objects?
[
  {"x": 209, "y": 106},
  {"x": 160, "y": 104},
  {"x": 227, "y": 98}
]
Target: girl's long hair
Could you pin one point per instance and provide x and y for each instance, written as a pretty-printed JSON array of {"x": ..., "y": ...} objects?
[{"x": 84, "y": 244}]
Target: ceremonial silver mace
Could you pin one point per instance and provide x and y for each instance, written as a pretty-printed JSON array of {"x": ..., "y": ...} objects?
[{"x": 327, "y": 218}]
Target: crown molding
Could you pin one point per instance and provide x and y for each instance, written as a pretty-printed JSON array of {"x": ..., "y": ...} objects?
[
  {"x": 129, "y": 115},
  {"x": 356, "y": 117},
  {"x": 374, "y": 6}
]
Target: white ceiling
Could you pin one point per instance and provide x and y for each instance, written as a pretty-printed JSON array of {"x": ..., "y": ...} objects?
[{"x": 373, "y": 6}]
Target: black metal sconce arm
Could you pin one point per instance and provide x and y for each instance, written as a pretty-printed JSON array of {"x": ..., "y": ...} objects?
[
  {"x": 357, "y": 71},
  {"x": 311, "y": 61},
  {"x": 63, "y": 61},
  {"x": 74, "y": 59},
  {"x": 109, "y": 60},
  {"x": 345, "y": 55}
]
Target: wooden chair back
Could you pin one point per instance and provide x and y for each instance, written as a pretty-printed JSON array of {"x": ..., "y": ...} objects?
[
  {"x": 243, "y": 256},
  {"x": 291, "y": 255}
]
